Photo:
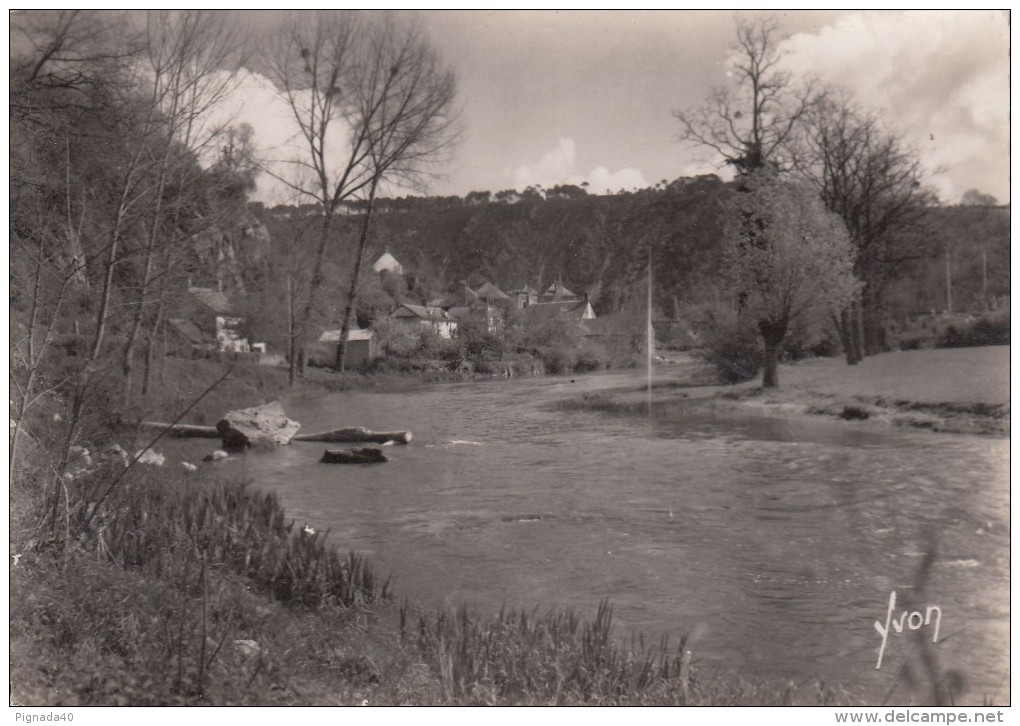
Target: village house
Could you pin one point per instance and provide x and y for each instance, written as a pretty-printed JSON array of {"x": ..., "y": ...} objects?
[
  {"x": 491, "y": 305},
  {"x": 486, "y": 305},
  {"x": 388, "y": 263},
  {"x": 574, "y": 310},
  {"x": 557, "y": 292},
  {"x": 207, "y": 325},
  {"x": 524, "y": 297},
  {"x": 433, "y": 318}
]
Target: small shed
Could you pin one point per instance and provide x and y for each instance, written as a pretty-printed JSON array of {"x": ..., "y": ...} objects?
[{"x": 360, "y": 348}]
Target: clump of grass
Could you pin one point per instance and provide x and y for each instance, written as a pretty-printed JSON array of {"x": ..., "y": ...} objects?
[
  {"x": 155, "y": 522},
  {"x": 560, "y": 659},
  {"x": 142, "y": 600},
  {"x": 556, "y": 658}
]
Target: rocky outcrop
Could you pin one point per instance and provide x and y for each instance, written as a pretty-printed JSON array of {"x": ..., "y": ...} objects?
[{"x": 259, "y": 425}]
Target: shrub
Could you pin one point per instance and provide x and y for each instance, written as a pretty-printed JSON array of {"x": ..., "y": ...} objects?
[
  {"x": 591, "y": 357},
  {"x": 735, "y": 351},
  {"x": 987, "y": 330},
  {"x": 558, "y": 358}
]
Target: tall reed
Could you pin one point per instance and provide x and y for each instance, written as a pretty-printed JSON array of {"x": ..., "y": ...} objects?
[{"x": 158, "y": 522}]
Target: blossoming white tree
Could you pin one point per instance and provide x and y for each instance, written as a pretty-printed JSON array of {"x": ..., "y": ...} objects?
[{"x": 791, "y": 260}]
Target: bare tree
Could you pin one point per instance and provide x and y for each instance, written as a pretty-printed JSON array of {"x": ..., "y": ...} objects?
[
  {"x": 405, "y": 107},
  {"x": 369, "y": 101},
  {"x": 751, "y": 126},
  {"x": 311, "y": 60},
  {"x": 190, "y": 57},
  {"x": 865, "y": 174}
]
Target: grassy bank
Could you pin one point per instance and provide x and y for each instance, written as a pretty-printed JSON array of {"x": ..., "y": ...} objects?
[
  {"x": 186, "y": 590},
  {"x": 163, "y": 586},
  {"x": 962, "y": 390}
]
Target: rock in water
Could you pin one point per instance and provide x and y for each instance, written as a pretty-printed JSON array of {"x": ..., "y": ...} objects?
[
  {"x": 261, "y": 424},
  {"x": 367, "y": 455}
]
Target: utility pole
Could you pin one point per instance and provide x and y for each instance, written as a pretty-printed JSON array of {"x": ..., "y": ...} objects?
[
  {"x": 949, "y": 281},
  {"x": 650, "y": 333},
  {"x": 984, "y": 280}
]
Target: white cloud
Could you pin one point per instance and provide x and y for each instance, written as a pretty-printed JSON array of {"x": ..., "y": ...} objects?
[
  {"x": 940, "y": 78},
  {"x": 559, "y": 166},
  {"x": 555, "y": 167},
  {"x": 277, "y": 137}
]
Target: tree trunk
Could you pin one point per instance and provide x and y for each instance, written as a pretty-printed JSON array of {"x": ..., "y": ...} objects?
[
  {"x": 874, "y": 321},
  {"x": 352, "y": 292},
  {"x": 845, "y": 330},
  {"x": 150, "y": 348},
  {"x": 149, "y": 356},
  {"x": 772, "y": 334},
  {"x": 292, "y": 363},
  {"x": 858, "y": 329},
  {"x": 770, "y": 377},
  {"x": 291, "y": 334}
]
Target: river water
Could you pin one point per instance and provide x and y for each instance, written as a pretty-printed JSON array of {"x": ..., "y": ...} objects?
[{"x": 774, "y": 542}]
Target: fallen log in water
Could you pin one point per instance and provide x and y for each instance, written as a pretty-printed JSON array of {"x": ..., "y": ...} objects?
[
  {"x": 184, "y": 430},
  {"x": 357, "y": 435},
  {"x": 367, "y": 455}
]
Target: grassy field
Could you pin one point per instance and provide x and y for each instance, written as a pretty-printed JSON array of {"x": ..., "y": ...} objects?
[
  {"x": 947, "y": 375},
  {"x": 960, "y": 390}
]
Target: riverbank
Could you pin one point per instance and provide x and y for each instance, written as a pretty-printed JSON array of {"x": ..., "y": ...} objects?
[
  {"x": 194, "y": 591},
  {"x": 959, "y": 390},
  {"x": 170, "y": 586}
]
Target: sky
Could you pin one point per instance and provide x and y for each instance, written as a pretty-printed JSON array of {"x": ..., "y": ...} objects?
[{"x": 552, "y": 97}]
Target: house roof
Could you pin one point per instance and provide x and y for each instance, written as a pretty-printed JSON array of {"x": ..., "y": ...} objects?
[
  {"x": 188, "y": 329},
  {"x": 421, "y": 312},
  {"x": 333, "y": 336},
  {"x": 458, "y": 312},
  {"x": 545, "y": 311},
  {"x": 212, "y": 299},
  {"x": 526, "y": 290},
  {"x": 387, "y": 261},
  {"x": 559, "y": 290},
  {"x": 462, "y": 297},
  {"x": 488, "y": 291}
]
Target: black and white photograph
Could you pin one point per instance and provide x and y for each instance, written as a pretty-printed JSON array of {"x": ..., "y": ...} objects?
[{"x": 546, "y": 358}]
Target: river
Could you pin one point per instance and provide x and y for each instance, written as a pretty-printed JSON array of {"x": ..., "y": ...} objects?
[{"x": 774, "y": 542}]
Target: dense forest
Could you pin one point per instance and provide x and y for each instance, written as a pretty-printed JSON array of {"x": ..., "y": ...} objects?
[
  {"x": 600, "y": 245},
  {"x": 123, "y": 197}
]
